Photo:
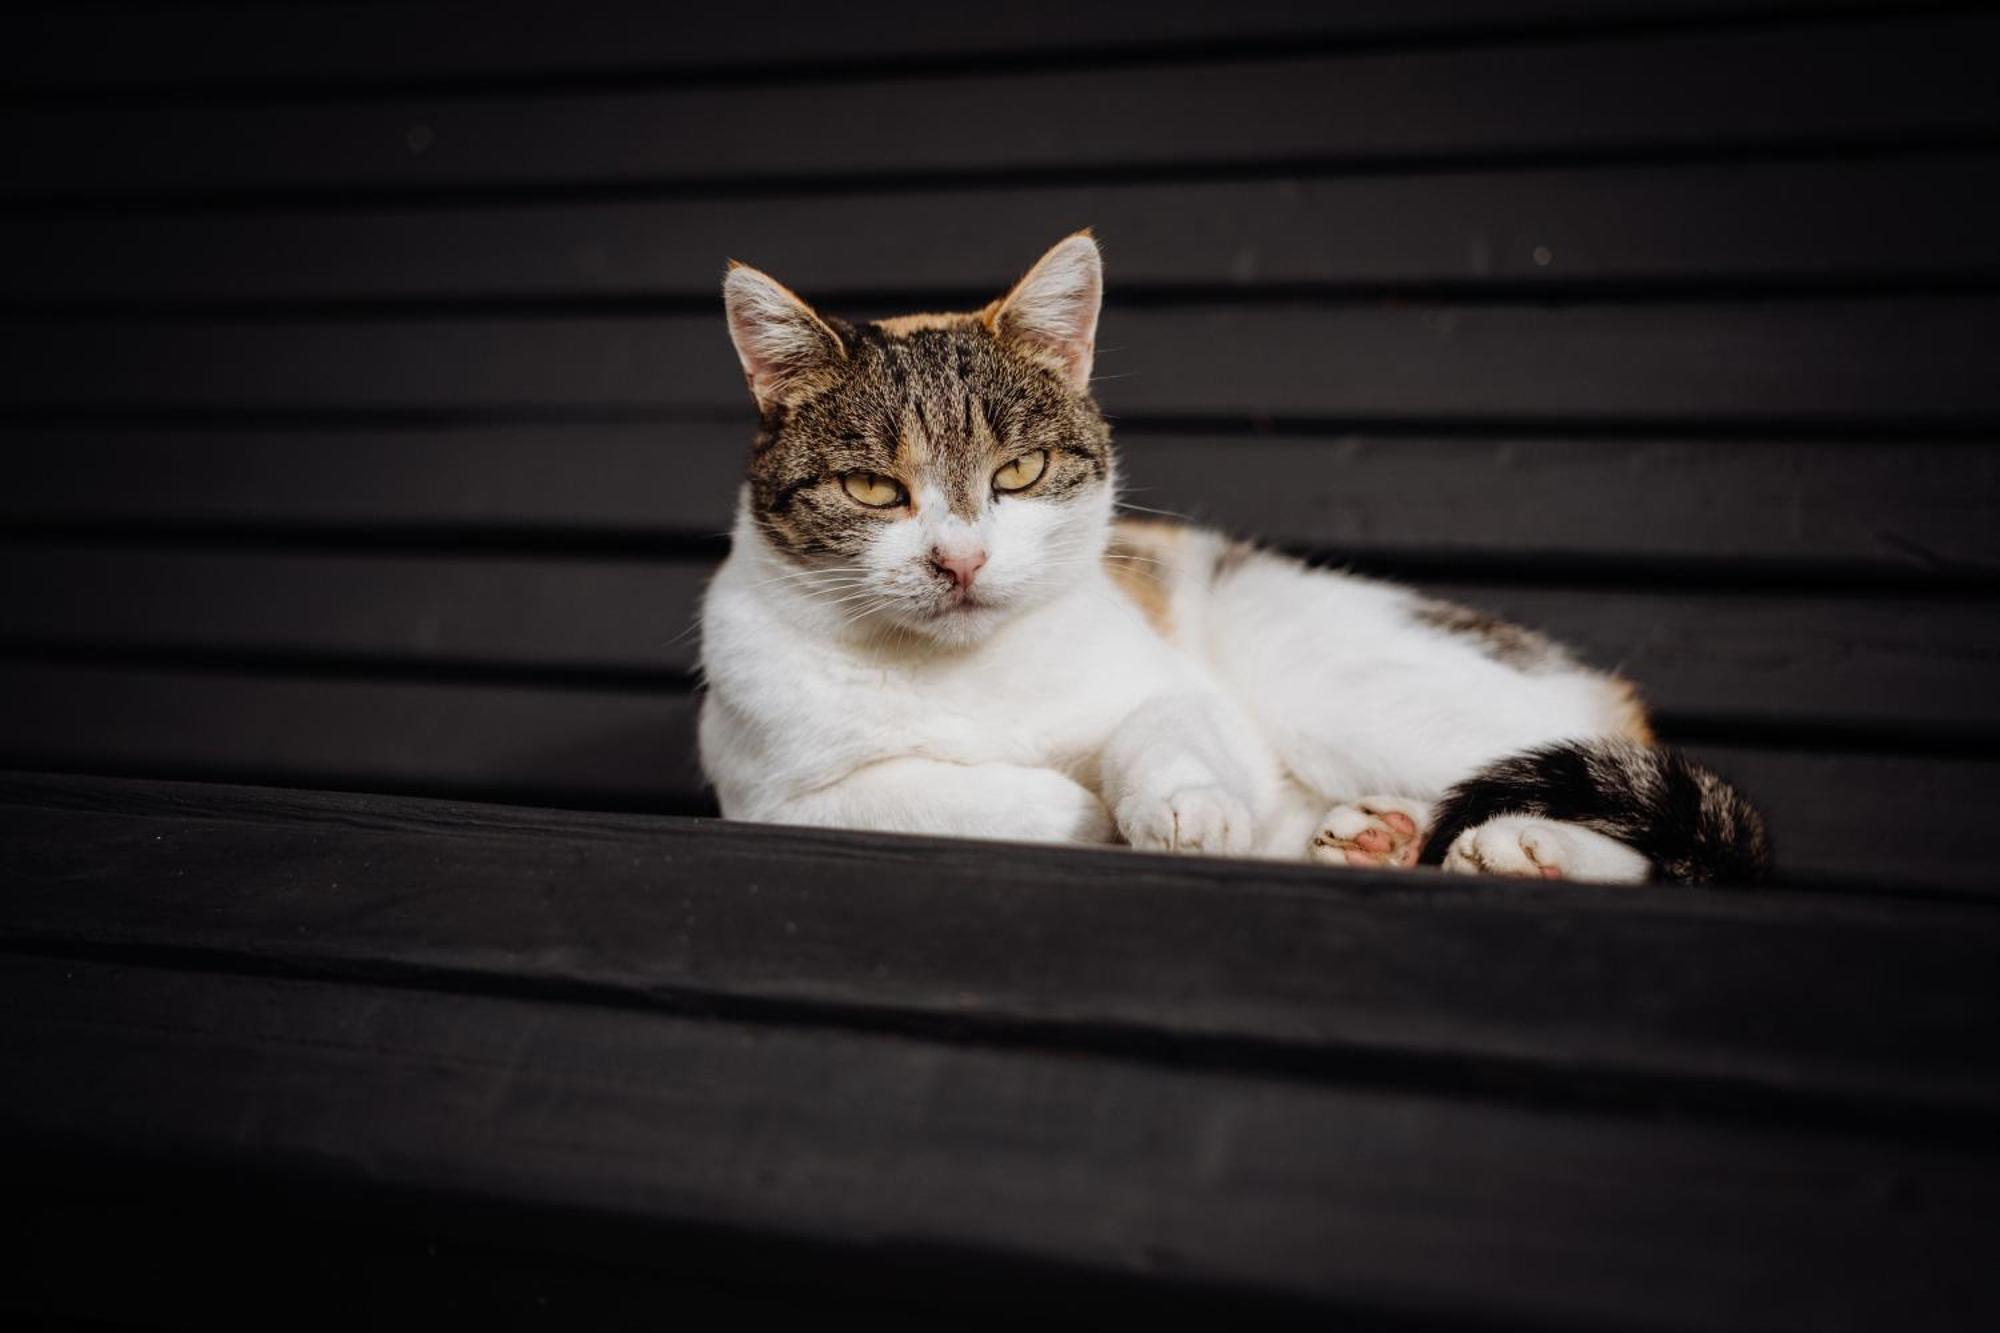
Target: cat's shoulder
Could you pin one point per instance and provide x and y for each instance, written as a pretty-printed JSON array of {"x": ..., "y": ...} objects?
[
  {"x": 1159, "y": 564},
  {"x": 1175, "y": 572}
]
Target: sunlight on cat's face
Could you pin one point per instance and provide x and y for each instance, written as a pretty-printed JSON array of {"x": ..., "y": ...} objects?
[{"x": 935, "y": 474}]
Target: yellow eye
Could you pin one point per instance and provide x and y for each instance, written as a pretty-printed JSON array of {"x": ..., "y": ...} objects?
[
  {"x": 872, "y": 489},
  {"x": 1023, "y": 472}
]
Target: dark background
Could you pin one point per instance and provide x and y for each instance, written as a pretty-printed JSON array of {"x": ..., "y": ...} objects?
[
  {"x": 369, "y": 424},
  {"x": 369, "y": 421}
]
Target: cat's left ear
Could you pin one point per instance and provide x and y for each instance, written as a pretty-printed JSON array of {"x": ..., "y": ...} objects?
[
  {"x": 788, "y": 352},
  {"x": 1051, "y": 315}
]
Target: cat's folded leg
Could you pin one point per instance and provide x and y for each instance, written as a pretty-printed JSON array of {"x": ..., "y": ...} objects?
[
  {"x": 1380, "y": 831},
  {"x": 913, "y": 795},
  {"x": 1523, "y": 847},
  {"x": 1181, "y": 775}
]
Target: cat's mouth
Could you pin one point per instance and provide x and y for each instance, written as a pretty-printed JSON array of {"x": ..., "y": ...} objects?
[
  {"x": 962, "y": 611},
  {"x": 956, "y": 612},
  {"x": 954, "y": 600}
]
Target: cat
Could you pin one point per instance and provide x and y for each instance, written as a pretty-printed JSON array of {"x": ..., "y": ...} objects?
[{"x": 932, "y": 619}]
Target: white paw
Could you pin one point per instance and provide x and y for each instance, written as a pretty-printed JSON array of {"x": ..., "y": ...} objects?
[
  {"x": 1194, "y": 819},
  {"x": 1373, "y": 831},
  {"x": 1520, "y": 847}
]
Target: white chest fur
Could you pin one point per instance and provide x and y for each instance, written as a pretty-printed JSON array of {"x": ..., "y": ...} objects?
[{"x": 793, "y": 704}]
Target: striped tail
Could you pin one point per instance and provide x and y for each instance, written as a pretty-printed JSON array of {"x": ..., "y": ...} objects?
[{"x": 1694, "y": 827}]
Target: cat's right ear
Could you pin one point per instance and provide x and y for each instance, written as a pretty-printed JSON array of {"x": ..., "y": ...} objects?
[
  {"x": 1051, "y": 314},
  {"x": 788, "y": 352}
]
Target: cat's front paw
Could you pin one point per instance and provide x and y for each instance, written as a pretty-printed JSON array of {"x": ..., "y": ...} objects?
[
  {"x": 1205, "y": 820},
  {"x": 1373, "y": 831},
  {"x": 1520, "y": 847}
]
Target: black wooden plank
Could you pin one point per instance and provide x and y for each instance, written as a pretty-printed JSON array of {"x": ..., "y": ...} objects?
[
  {"x": 211, "y": 1249},
  {"x": 1801, "y": 658},
  {"x": 1896, "y": 660},
  {"x": 1898, "y": 504},
  {"x": 210, "y": 46},
  {"x": 526, "y": 613},
  {"x": 1853, "y": 82},
  {"x": 1903, "y": 360},
  {"x": 631, "y": 747},
  {"x": 1886, "y": 504},
  {"x": 1565, "y": 993},
  {"x": 1924, "y": 218},
  {"x": 1853, "y": 817},
  {"x": 1371, "y": 1201},
  {"x": 654, "y": 478},
  {"x": 596, "y": 747}
]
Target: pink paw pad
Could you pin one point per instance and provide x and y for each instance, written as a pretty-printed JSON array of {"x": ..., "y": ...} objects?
[{"x": 1372, "y": 832}]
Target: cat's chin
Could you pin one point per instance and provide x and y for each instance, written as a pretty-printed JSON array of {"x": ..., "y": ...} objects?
[{"x": 959, "y": 625}]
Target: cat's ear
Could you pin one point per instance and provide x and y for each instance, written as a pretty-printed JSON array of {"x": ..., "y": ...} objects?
[
  {"x": 787, "y": 351},
  {"x": 1051, "y": 315}
]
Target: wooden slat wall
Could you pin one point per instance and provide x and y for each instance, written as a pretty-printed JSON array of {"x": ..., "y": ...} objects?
[
  {"x": 624, "y": 744},
  {"x": 1840, "y": 657},
  {"x": 216, "y": 49},
  {"x": 1878, "y": 508},
  {"x": 1677, "y": 91},
  {"x": 1907, "y": 361},
  {"x": 1469, "y": 230},
  {"x": 369, "y": 421}
]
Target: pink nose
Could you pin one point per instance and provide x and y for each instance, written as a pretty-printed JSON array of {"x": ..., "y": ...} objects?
[{"x": 962, "y": 568}]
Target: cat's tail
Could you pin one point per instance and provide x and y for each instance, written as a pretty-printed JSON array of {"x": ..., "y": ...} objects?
[{"x": 1694, "y": 827}]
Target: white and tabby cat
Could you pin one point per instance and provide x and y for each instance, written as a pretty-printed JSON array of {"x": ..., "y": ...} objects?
[{"x": 931, "y": 621}]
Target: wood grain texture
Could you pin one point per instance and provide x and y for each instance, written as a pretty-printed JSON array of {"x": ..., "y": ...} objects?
[
  {"x": 1923, "y": 218},
  {"x": 1866, "y": 80},
  {"x": 1575, "y": 993},
  {"x": 1902, "y": 361},
  {"x": 1888, "y": 505},
  {"x": 1351, "y": 1197},
  {"x": 629, "y": 747}
]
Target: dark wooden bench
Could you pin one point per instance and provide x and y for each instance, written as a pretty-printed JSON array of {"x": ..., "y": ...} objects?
[{"x": 369, "y": 430}]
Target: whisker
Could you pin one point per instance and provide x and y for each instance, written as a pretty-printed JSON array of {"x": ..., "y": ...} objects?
[
  {"x": 811, "y": 578},
  {"x": 1163, "y": 513}
]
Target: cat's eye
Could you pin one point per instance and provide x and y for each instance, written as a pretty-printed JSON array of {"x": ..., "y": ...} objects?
[
  {"x": 873, "y": 489},
  {"x": 1022, "y": 473}
]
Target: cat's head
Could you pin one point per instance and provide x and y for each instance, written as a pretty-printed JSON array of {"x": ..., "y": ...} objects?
[{"x": 938, "y": 473}]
